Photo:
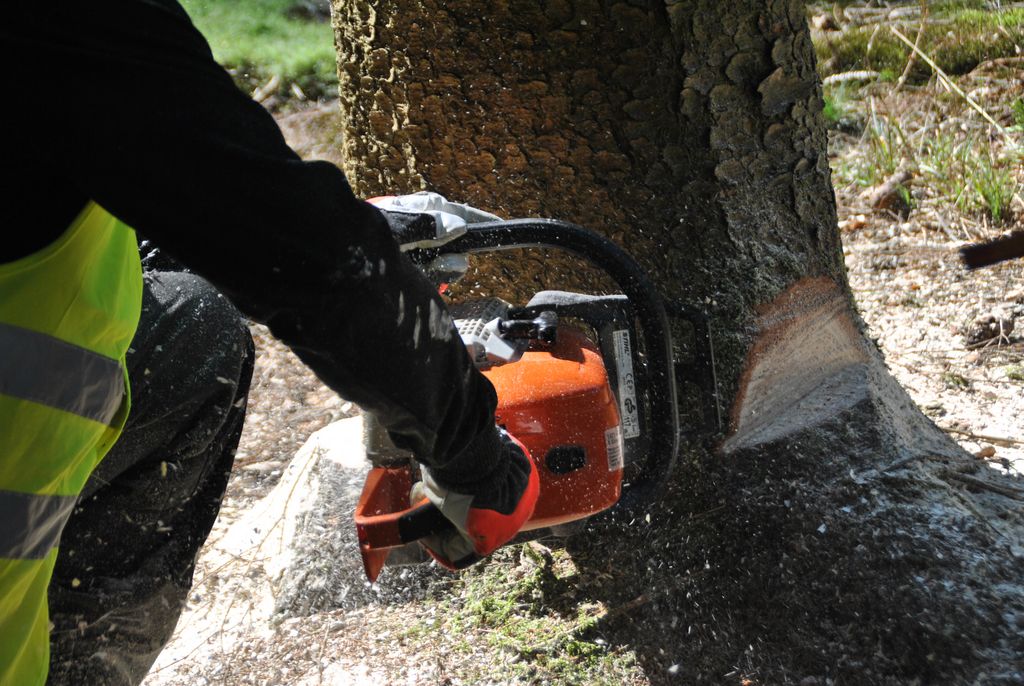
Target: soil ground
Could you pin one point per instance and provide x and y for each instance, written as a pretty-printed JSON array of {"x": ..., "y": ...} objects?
[{"x": 425, "y": 627}]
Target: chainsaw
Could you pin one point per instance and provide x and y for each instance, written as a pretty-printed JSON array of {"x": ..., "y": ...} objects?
[{"x": 586, "y": 382}]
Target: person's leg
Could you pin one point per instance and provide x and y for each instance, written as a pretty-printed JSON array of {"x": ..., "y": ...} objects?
[{"x": 128, "y": 552}]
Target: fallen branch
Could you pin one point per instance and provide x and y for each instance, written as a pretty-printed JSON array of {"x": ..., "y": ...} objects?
[
  {"x": 859, "y": 75},
  {"x": 999, "y": 62},
  {"x": 887, "y": 196},
  {"x": 267, "y": 89}
]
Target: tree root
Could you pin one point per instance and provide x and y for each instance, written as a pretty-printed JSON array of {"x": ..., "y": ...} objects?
[
  {"x": 913, "y": 458},
  {"x": 1012, "y": 493}
]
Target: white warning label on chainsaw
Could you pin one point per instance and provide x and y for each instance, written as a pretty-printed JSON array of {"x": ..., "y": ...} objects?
[
  {"x": 614, "y": 445},
  {"x": 627, "y": 384}
]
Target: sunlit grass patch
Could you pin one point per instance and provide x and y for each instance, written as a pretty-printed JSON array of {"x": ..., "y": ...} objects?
[{"x": 258, "y": 40}]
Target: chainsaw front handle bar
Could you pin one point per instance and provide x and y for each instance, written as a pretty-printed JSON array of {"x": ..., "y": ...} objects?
[{"x": 650, "y": 312}]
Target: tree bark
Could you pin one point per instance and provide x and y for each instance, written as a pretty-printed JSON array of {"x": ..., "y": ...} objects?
[{"x": 827, "y": 535}]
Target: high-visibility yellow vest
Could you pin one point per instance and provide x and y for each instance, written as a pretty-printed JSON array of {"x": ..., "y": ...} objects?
[{"x": 67, "y": 316}]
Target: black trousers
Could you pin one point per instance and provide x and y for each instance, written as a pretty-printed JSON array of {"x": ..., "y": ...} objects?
[{"x": 128, "y": 552}]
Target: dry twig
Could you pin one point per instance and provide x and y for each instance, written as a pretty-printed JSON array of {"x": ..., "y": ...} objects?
[
  {"x": 948, "y": 82},
  {"x": 912, "y": 59},
  {"x": 998, "y": 440},
  {"x": 628, "y": 606}
]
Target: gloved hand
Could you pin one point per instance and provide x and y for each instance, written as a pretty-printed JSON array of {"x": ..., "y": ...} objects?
[
  {"x": 483, "y": 521},
  {"x": 427, "y": 220}
]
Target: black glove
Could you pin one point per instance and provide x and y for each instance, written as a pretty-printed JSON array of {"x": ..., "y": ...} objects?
[{"x": 422, "y": 221}]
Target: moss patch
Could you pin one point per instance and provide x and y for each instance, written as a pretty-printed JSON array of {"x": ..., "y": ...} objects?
[
  {"x": 521, "y": 611},
  {"x": 958, "y": 36}
]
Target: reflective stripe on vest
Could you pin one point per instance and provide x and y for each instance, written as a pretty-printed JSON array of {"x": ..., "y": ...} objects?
[
  {"x": 63, "y": 376},
  {"x": 67, "y": 316},
  {"x": 32, "y": 523}
]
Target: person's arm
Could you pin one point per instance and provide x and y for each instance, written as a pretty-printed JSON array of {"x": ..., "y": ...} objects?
[{"x": 149, "y": 126}]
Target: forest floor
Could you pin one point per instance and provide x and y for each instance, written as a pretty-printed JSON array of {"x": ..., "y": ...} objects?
[{"x": 954, "y": 339}]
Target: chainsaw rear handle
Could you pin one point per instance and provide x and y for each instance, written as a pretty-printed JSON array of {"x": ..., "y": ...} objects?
[
  {"x": 649, "y": 310},
  {"x": 385, "y": 520},
  {"x": 384, "y": 516}
]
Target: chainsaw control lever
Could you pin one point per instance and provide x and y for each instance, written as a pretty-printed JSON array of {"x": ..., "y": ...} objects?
[{"x": 543, "y": 328}]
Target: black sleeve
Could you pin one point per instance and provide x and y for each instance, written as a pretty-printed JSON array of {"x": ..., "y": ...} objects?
[{"x": 148, "y": 125}]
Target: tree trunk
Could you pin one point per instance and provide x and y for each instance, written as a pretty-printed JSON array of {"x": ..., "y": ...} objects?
[{"x": 834, "y": 532}]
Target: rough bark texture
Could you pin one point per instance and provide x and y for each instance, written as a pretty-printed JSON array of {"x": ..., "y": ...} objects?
[
  {"x": 832, "y": 535},
  {"x": 687, "y": 132}
]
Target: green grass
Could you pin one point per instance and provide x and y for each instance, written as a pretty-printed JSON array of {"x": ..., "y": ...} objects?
[
  {"x": 954, "y": 380},
  {"x": 887, "y": 150},
  {"x": 994, "y": 186},
  {"x": 888, "y": 146},
  {"x": 959, "y": 36},
  {"x": 258, "y": 39},
  {"x": 1017, "y": 109},
  {"x": 840, "y": 106},
  {"x": 965, "y": 170},
  {"x": 953, "y": 166}
]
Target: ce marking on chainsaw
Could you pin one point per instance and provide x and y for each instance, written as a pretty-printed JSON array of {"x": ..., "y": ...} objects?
[{"x": 629, "y": 386}]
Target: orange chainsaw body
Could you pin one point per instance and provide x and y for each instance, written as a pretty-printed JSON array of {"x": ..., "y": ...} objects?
[{"x": 558, "y": 401}]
